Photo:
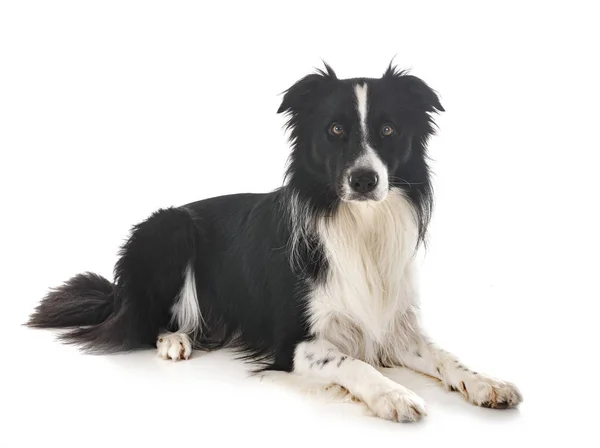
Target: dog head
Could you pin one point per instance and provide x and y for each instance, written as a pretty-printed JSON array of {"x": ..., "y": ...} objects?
[{"x": 355, "y": 139}]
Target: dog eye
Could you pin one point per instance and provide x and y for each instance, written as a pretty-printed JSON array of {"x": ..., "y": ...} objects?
[
  {"x": 387, "y": 130},
  {"x": 336, "y": 129}
]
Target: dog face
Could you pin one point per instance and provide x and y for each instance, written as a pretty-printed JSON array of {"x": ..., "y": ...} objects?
[{"x": 354, "y": 139}]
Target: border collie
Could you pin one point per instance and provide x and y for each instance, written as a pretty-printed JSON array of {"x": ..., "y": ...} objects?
[{"x": 315, "y": 278}]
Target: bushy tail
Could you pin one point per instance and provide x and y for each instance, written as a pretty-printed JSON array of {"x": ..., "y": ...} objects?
[
  {"x": 86, "y": 305},
  {"x": 86, "y": 299}
]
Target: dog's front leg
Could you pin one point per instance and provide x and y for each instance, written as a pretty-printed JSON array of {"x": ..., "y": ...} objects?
[
  {"x": 385, "y": 398},
  {"x": 482, "y": 390}
]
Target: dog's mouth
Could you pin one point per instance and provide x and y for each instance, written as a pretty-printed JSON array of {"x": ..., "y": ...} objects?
[{"x": 348, "y": 195}]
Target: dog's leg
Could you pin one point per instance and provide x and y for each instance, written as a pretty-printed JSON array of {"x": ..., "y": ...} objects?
[
  {"x": 186, "y": 317},
  {"x": 174, "y": 346},
  {"x": 479, "y": 389},
  {"x": 385, "y": 398}
]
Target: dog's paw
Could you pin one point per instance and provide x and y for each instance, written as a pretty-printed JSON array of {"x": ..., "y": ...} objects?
[
  {"x": 399, "y": 405},
  {"x": 174, "y": 346},
  {"x": 489, "y": 392}
]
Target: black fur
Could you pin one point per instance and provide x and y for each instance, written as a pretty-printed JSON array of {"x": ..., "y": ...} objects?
[
  {"x": 86, "y": 299},
  {"x": 250, "y": 296}
]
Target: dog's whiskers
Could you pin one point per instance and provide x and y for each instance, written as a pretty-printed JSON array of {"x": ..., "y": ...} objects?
[{"x": 400, "y": 179}]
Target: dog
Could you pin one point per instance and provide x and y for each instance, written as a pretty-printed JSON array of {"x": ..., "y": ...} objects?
[{"x": 316, "y": 278}]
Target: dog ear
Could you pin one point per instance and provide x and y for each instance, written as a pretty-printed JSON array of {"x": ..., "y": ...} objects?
[
  {"x": 297, "y": 97},
  {"x": 423, "y": 96}
]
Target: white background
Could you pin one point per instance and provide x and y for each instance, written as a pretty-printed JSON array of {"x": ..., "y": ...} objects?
[{"x": 110, "y": 110}]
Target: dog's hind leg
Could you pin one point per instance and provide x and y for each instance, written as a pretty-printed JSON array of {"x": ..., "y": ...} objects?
[
  {"x": 186, "y": 318},
  {"x": 174, "y": 346},
  {"x": 158, "y": 271},
  {"x": 154, "y": 293}
]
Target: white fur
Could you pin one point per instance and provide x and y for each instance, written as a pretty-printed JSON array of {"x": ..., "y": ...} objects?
[
  {"x": 362, "y": 107},
  {"x": 302, "y": 227},
  {"x": 477, "y": 388},
  {"x": 384, "y": 398},
  {"x": 186, "y": 310},
  {"x": 366, "y": 305},
  {"x": 487, "y": 391},
  {"x": 174, "y": 346}
]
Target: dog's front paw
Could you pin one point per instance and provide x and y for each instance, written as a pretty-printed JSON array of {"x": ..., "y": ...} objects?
[
  {"x": 174, "y": 346},
  {"x": 399, "y": 405},
  {"x": 489, "y": 392}
]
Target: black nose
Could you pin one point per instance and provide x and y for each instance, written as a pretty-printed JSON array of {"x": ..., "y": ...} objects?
[{"x": 363, "y": 181}]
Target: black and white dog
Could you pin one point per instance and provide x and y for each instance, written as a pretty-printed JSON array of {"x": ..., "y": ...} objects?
[{"x": 314, "y": 278}]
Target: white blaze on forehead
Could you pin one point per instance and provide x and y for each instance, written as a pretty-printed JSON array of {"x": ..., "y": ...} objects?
[
  {"x": 369, "y": 158},
  {"x": 362, "y": 107}
]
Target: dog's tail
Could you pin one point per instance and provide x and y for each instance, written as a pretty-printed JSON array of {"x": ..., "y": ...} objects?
[
  {"x": 86, "y": 299},
  {"x": 87, "y": 306}
]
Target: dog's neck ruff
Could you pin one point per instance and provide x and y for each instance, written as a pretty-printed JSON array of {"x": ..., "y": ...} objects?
[{"x": 368, "y": 248}]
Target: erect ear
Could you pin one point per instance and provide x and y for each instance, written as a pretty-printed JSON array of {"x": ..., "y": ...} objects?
[
  {"x": 297, "y": 97},
  {"x": 423, "y": 95}
]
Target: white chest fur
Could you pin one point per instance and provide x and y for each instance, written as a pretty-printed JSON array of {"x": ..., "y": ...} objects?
[{"x": 364, "y": 303}]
